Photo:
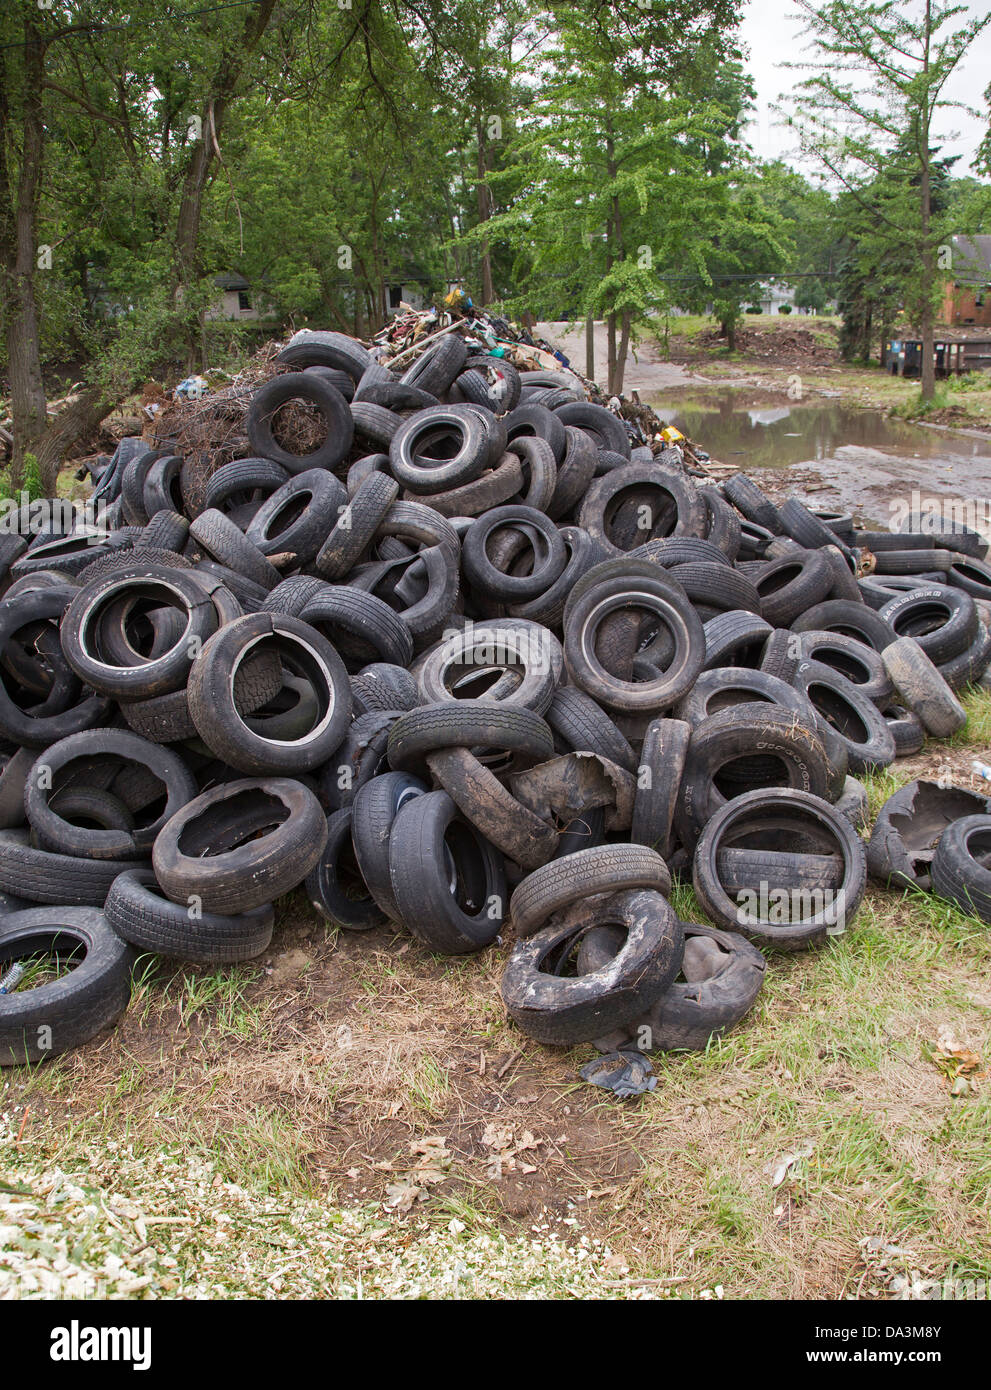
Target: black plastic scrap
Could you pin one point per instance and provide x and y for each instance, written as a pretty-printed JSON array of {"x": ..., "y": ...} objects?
[
  {"x": 624, "y": 1073},
  {"x": 565, "y": 787}
]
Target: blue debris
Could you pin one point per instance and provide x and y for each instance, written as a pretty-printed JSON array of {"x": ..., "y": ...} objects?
[{"x": 623, "y": 1073}]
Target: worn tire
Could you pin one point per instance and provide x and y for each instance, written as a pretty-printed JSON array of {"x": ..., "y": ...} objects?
[
  {"x": 229, "y": 849},
  {"x": 140, "y": 914},
  {"x": 52, "y": 1018}
]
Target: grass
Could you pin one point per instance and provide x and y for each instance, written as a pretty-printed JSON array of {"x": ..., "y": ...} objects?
[
  {"x": 962, "y": 401},
  {"x": 278, "y": 1120},
  {"x": 958, "y": 396}
]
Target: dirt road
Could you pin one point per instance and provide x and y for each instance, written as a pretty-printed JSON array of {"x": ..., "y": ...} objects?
[{"x": 645, "y": 371}]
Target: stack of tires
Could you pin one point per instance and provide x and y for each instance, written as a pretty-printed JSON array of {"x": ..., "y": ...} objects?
[{"x": 476, "y": 664}]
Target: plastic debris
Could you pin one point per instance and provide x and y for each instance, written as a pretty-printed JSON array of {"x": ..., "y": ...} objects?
[{"x": 624, "y": 1073}]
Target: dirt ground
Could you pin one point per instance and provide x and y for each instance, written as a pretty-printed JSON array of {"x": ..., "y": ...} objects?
[
  {"x": 646, "y": 368},
  {"x": 649, "y": 367}
]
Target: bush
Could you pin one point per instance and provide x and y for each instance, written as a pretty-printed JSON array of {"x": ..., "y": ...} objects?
[
  {"x": 754, "y": 309},
  {"x": 784, "y": 308},
  {"x": 32, "y": 483}
]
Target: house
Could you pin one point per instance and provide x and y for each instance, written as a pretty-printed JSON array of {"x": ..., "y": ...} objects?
[
  {"x": 236, "y": 300},
  {"x": 773, "y": 294},
  {"x": 967, "y": 294}
]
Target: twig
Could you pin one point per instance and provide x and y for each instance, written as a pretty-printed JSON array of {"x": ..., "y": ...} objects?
[
  {"x": 507, "y": 1064},
  {"x": 638, "y": 1283}
]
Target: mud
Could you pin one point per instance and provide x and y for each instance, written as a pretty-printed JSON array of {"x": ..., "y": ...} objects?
[{"x": 832, "y": 455}]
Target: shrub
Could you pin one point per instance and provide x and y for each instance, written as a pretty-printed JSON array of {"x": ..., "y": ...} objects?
[{"x": 32, "y": 483}]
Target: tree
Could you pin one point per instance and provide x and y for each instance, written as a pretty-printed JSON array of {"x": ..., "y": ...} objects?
[
  {"x": 113, "y": 127},
  {"x": 740, "y": 242},
  {"x": 867, "y": 111},
  {"x": 72, "y": 88},
  {"x": 613, "y": 173}
]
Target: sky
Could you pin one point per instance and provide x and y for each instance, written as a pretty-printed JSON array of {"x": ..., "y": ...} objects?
[{"x": 772, "y": 31}]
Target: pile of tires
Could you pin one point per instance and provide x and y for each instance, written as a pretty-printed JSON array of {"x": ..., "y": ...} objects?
[{"x": 478, "y": 664}]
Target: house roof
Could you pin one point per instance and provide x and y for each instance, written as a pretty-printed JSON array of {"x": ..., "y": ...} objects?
[
  {"x": 972, "y": 260},
  {"x": 231, "y": 282}
]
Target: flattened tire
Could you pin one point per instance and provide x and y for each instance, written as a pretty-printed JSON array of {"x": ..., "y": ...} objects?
[{"x": 697, "y": 1008}]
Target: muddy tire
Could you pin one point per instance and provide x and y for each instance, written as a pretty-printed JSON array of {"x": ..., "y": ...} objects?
[
  {"x": 240, "y": 845},
  {"x": 562, "y": 1010},
  {"x": 922, "y": 689}
]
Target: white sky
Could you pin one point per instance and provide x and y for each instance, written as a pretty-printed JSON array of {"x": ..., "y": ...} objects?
[{"x": 771, "y": 30}]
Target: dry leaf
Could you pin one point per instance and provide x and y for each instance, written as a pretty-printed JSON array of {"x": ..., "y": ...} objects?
[
  {"x": 781, "y": 1167},
  {"x": 400, "y": 1196},
  {"x": 962, "y": 1067}
]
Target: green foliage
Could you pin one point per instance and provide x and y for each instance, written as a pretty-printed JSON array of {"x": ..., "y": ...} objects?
[
  {"x": 784, "y": 308},
  {"x": 30, "y": 487},
  {"x": 811, "y": 294},
  {"x": 866, "y": 116},
  {"x": 32, "y": 483},
  {"x": 625, "y": 190},
  {"x": 584, "y": 167}
]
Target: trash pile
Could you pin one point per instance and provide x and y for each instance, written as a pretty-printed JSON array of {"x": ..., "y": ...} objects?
[{"x": 463, "y": 650}]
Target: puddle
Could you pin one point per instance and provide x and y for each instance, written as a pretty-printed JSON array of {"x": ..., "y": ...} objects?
[{"x": 759, "y": 434}]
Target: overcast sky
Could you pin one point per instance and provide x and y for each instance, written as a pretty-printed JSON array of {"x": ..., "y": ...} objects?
[{"x": 771, "y": 30}]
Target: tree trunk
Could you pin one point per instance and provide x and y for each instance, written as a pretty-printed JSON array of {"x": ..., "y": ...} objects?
[
  {"x": 727, "y": 330},
  {"x": 590, "y": 347},
  {"x": 484, "y": 200},
  {"x": 928, "y": 368},
  {"x": 186, "y": 267},
  {"x": 18, "y": 259},
  {"x": 73, "y": 424},
  {"x": 624, "y": 347},
  {"x": 614, "y": 252},
  {"x": 610, "y": 353}
]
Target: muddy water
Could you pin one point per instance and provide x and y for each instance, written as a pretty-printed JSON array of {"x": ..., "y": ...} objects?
[
  {"x": 837, "y": 454},
  {"x": 763, "y": 434}
]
